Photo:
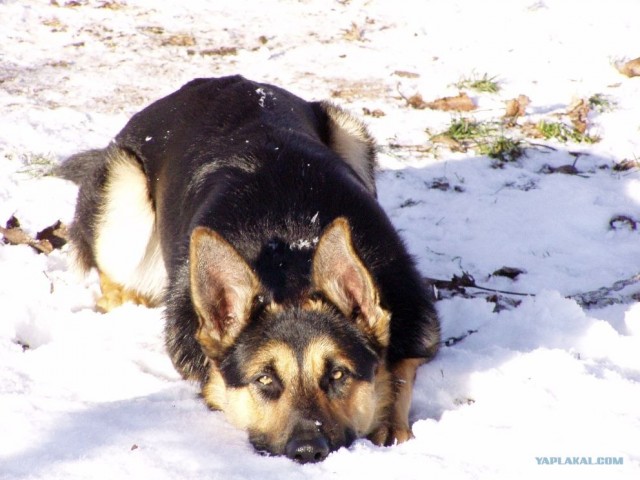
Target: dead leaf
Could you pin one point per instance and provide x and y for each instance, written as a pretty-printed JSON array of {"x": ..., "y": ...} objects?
[
  {"x": 441, "y": 184},
  {"x": 154, "y": 29},
  {"x": 17, "y": 236},
  {"x": 57, "y": 235},
  {"x": 619, "y": 221},
  {"x": 46, "y": 241},
  {"x": 465, "y": 280},
  {"x": 377, "y": 113},
  {"x": 416, "y": 101},
  {"x": 509, "y": 272},
  {"x": 70, "y": 4},
  {"x": 111, "y": 5},
  {"x": 460, "y": 103},
  {"x": 219, "y": 52},
  {"x": 450, "y": 143},
  {"x": 516, "y": 107},
  {"x": 13, "y": 222},
  {"x": 630, "y": 68},
  {"x": 625, "y": 165},
  {"x": 179, "y": 40},
  {"x": 405, "y": 74},
  {"x": 503, "y": 303},
  {"x": 578, "y": 113},
  {"x": 355, "y": 33},
  {"x": 566, "y": 169}
]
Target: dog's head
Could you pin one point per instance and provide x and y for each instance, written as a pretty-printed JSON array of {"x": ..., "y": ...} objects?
[{"x": 302, "y": 379}]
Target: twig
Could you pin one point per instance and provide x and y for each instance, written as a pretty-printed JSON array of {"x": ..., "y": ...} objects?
[{"x": 598, "y": 298}]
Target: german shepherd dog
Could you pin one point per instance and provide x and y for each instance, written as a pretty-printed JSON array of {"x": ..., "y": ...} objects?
[{"x": 252, "y": 215}]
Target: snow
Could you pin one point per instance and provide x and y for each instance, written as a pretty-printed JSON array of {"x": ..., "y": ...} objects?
[{"x": 95, "y": 396}]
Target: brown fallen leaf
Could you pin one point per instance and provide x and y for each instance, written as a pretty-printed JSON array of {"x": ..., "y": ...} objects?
[
  {"x": 578, "y": 113},
  {"x": 451, "y": 143},
  {"x": 416, "y": 101},
  {"x": 13, "y": 222},
  {"x": 355, "y": 33},
  {"x": 17, "y": 236},
  {"x": 508, "y": 272},
  {"x": 112, "y": 5},
  {"x": 45, "y": 242},
  {"x": 180, "y": 40},
  {"x": 626, "y": 165},
  {"x": 630, "y": 68},
  {"x": 405, "y": 74},
  {"x": 516, "y": 107},
  {"x": 70, "y": 4},
  {"x": 57, "y": 235},
  {"x": 460, "y": 103},
  {"x": 566, "y": 169},
  {"x": 219, "y": 52},
  {"x": 377, "y": 113}
]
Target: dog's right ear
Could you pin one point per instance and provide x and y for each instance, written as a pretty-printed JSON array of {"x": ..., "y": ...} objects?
[{"x": 223, "y": 287}]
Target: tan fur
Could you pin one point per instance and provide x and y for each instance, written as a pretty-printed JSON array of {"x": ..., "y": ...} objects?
[
  {"x": 223, "y": 287},
  {"x": 341, "y": 275},
  {"x": 351, "y": 140},
  {"x": 314, "y": 305},
  {"x": 361, "y": 409},
  {"x": 395, "y": 428},
  {"x": 274, "y": 308},
  {"x": 114, "y": 295}
]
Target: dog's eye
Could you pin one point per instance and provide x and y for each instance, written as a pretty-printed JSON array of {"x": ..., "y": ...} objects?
[
  {"x": 338, "y": 374},
  {"x": 335, "y": 380},
  {"x": 264, "y": 380},
  {"x": 268, "y": 385}
]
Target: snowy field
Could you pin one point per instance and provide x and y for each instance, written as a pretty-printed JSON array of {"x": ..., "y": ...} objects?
[{"x": 553, "y": 377}]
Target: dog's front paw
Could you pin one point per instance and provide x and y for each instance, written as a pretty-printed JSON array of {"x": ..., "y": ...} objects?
[{"x": 389, "y": 434}]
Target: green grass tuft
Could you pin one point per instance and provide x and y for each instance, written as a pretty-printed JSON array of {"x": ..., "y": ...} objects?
[
  {"x": 484, "y": 84},
  {"x": 563, "y": 133},
  {"x": 464, "y": 129},
  {"x": 601, "y": 103},
  {"x": 502, "y": 148},
  {"x": 37, "y": 164}
]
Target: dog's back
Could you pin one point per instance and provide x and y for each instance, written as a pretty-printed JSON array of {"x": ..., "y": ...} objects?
[{"x": 212, "y": 134}]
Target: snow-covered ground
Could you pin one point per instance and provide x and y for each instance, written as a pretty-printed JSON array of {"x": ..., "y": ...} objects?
[{"x": 91, "y": 396}]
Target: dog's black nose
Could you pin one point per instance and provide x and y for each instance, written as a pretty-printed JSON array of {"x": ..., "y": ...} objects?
[{"x": 307, "y": 450}]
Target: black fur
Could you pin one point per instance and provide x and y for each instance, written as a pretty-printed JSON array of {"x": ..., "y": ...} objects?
[
  {"x": 89, "y": 171},
  {"x": 255, "y": 164}
]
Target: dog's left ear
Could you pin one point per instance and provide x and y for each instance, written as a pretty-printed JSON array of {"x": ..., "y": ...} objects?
[
  {"x": 223, "y": 288},
  {"x": 340, "y": 274}
]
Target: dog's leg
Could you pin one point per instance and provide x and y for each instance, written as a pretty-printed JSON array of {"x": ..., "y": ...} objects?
[
  {"x": 114, "y": 295},
  {"x": 395, "y": 428}
]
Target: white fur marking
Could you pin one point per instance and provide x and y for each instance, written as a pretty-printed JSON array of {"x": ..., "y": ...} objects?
[{"x": 127, "y": 245}]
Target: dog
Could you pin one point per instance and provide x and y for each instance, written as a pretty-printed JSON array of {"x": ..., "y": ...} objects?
[{"x": 251, "y": 214}]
